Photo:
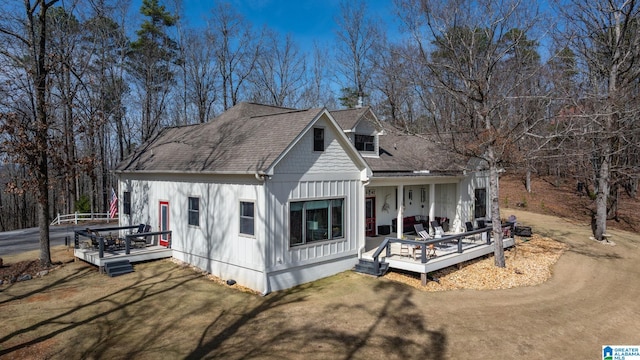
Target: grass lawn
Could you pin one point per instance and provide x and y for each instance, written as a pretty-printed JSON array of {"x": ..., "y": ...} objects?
[{"x": 165, "y": 311}]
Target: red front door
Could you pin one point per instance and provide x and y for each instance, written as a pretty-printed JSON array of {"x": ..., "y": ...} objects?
[
  {"x": 164, "y": 222},
  {"x": 370, "y": 216}
]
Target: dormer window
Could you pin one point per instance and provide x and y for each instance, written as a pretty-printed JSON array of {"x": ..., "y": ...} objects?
[
  {"x": 364, "y": 143},
  {"x": 318, "y": 139}
]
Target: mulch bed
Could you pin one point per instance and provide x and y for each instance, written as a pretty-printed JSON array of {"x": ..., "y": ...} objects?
[
  {"x": 528, "y": 263},
  {"x": 10, "y": 273}
]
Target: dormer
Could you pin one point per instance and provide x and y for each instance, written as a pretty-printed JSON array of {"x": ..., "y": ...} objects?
[{"x": 362, "y": 127}]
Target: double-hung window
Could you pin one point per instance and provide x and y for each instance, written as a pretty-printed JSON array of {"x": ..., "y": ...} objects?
[
  {"x": 247, "y": 223},
  {"x": 315, "y": 220},
  {"x": 194, "y": 211}
]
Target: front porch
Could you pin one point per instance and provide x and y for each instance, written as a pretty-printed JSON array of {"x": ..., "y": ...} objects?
[{"x": 449, "y": 250}]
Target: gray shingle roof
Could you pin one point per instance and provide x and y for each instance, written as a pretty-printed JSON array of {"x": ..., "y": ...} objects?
[
  {"x": 400, "y": 152},
  {"x": 348, "y": 118},
  {"x": 247, "y": 138}
]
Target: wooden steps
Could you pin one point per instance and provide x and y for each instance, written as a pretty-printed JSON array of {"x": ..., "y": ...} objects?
[
  {"x": 118, "y": 267},
  {"x": 367, "y": 266}
]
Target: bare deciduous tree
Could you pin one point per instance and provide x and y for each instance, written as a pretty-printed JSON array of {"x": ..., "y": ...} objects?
[
  {"x": 466, "y": 48},
  {"x": 27, "y": 39},
  {"x": 605, "y": 37}
]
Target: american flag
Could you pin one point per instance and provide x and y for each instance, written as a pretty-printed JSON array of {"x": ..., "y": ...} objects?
[{"x": 113, "y": 208}]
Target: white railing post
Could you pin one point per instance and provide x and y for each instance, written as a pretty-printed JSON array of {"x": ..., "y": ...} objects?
[
  {"x": 76, "y": 218},
  {"x": 58, "y": 218}
]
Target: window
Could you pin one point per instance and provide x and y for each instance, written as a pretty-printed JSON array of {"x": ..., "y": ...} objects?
[
  {"x": 246, "y": 218},
  {"x": 364, "y": 142},
  {"x": 194, "y": 211},
  {"x": 316, "y": 220},
  {"x": 318, "y": 139},
  {"x": 126, "y": 202},
  {"x": 480, "y": 203}
]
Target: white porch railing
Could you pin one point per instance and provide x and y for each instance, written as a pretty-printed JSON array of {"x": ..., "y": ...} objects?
[{"x": 76, "y": 217}]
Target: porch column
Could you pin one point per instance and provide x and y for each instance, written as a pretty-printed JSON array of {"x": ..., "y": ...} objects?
[
  {"x": 432, "y": 205},
  {"x": 399, "y": 222}
]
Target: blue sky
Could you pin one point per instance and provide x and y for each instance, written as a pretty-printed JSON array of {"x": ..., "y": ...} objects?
[{"x": 306, "y": 20}]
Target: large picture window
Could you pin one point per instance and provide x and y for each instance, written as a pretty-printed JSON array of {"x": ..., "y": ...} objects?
[
  {"x": 247, "y": 218},
  {"x": 194, "y": 211},
  {"x": 315, "y": 220}
]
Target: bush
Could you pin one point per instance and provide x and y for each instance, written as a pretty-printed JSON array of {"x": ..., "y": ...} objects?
[{"x": 83, "y": 205}]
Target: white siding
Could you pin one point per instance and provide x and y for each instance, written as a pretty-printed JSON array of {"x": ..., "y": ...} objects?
[
  {"x": 304, "y": 174},
  {"x": 216, "y": 244},
  {"x": 303, "y": 160}
]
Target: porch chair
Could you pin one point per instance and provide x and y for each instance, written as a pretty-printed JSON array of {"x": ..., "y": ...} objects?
[
  {"x": 141, "y": 241},
  {"x": 420, "y": 230},
  {"x": 424, "y": 234},
  {"x": 437, "y": 229},
  {"x": 469, "y": 226}
]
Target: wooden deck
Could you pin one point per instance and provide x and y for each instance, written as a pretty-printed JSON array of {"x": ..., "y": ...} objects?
[
  {"x": 445, "y": 256},
  {"x": 92, "y": 256},
  {"x": 450, "y": 249}
]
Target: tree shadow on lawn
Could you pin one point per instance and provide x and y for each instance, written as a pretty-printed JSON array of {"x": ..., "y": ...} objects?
[
  {"x": 585, "y": 247},
  {"x": 390, "y": 323},
  {"x": 120, "y": 303}
]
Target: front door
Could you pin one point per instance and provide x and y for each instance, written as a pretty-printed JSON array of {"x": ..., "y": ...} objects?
[
  {"x": 370, "y": 215},
  {"x": 164, "y": 223}
]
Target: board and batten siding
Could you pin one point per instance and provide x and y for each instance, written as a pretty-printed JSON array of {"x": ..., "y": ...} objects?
[
  {"x": 304, "y": 174},
  {"x": 216, "y": 245},
  {"x": 303, "y": 160}
]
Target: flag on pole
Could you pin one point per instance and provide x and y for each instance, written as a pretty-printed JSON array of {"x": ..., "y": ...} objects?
[{"x": 113, "y": 208}]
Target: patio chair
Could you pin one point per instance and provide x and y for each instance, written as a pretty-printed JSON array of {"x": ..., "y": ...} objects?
[
  {"x": 437, "y": 229},
  {"x": 420, "y": 230},
  {"x": 140, "y": 229},
  {"x": 469, "y": 226},
  {"x": 141, "y": 241}
]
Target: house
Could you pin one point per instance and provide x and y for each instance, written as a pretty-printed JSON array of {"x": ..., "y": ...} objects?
[{"x": 274, "y": 197}]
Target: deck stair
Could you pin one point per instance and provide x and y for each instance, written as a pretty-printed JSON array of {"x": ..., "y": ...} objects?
[
  {"x": 366, "y": 266},
  {"x": 118, "y": 267}
]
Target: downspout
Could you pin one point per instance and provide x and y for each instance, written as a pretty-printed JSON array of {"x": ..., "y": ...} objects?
[
  {"x": 262, "y": 177},
  {"x": 362, "y": 211}
]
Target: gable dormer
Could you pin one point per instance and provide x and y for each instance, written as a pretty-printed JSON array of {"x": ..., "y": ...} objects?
[{"x": 362, "y": 128}]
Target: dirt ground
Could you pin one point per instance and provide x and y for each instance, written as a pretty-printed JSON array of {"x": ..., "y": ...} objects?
[
  {"x": 559, "y": 197},
  {"x": 165, "y": 311}
]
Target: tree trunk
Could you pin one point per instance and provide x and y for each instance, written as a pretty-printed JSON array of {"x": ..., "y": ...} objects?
[
  {"x": 528, "y": 180},
  {"x": 494, "y": 178},
  {"x": 42, "y": 127},
  {"x": 602, "y": 194}
]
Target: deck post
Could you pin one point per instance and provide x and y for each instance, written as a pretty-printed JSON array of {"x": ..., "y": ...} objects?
[
  {"x": 423, "y": 277},
  {"x": 460, "y": 245},
  {"x": 127, "y": 245},
  {"x": 101, "y": 247}
]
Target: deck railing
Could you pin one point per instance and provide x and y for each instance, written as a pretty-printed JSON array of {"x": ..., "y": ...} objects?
[
  {"x": 424, "y": 244},
  {"x": 105, "y": 241},
  {"x": 76, "y": 217}
]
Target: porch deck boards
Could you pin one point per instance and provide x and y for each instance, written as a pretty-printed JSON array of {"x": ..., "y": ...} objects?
[
  {"x": 445, "y": 257},
  {"x": 92, "y": 256}
]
